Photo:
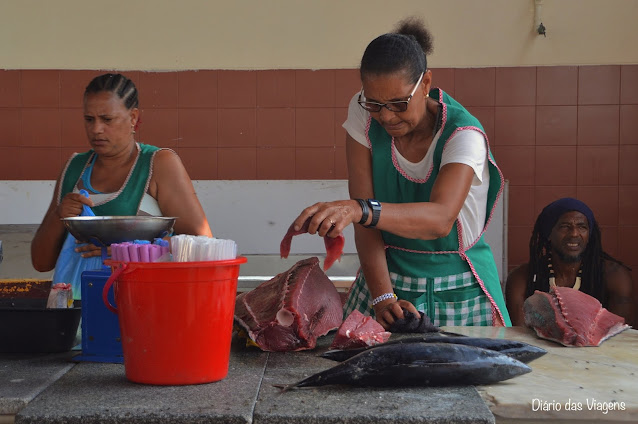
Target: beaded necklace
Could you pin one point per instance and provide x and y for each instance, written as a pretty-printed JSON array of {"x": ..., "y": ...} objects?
[{"x": 552, "y": 278}]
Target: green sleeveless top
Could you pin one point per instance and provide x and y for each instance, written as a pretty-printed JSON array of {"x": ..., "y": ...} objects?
[
  {"x": 446, "y": 255},
  {"x": 128, "y": 198}
]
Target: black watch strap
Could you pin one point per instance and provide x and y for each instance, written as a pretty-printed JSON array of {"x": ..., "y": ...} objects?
[
  {"x": 375, "y": 206},
  {"x": 364, "y": 211}
]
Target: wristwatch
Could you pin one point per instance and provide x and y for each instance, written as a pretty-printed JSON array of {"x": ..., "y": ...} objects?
[{"x": 375, "y": 207}]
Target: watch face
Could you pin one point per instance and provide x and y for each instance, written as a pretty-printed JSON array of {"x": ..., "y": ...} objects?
[{"x": 374, "y": 203}]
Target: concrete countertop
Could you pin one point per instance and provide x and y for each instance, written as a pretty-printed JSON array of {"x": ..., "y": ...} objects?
[
  {"x": 23, "y": 377},
  {"x": 569, "y": 384},
  {"x": 51, "y": 389},
  {"x": 100, "y": 393},
  {"x": 356, "y": 405}
]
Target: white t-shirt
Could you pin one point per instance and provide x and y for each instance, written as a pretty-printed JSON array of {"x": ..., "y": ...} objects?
[{"x": 466, "y": 146}]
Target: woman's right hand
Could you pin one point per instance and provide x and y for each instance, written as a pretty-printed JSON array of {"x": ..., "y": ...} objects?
[
  {"x": 71, "y": 205},
  {"x": 389, "y": 311},
  {"x": 329, "y": 218}
]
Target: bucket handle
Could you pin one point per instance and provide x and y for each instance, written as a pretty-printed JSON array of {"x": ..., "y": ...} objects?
[{"x": 105, "y": 291}]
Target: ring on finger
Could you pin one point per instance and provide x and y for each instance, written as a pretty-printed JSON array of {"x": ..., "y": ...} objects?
[{"x": 332, "y": 223}]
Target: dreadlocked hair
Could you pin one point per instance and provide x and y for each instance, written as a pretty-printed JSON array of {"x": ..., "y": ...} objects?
[{"x": 593, "y": 264}]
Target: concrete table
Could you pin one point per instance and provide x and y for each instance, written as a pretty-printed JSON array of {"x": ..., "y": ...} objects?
[
  {"x": 100, "y": 393},
  {"x": 23, "y": 377},
  {"x": 51, "y": 389},
  {"x": 356, "y": 405},
  {"x": 568, "y": 384}
]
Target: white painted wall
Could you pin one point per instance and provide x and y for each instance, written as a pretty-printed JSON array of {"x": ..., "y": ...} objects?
[
  {"x": 308, "y": 34},
  {"x": 254, "y": 213},
  {"x": 24, "y": 202}
]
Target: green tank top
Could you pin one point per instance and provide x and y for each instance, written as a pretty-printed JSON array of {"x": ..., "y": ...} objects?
[
  {"x": 128, "y": 199},
  {"x": 446, "y": 255}
]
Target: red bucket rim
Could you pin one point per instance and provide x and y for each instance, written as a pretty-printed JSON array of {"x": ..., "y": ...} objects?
[{"x": 201, "y": 264}]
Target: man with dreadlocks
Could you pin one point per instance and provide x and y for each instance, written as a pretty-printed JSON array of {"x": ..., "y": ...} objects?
[{"x": 565, "y": 250}]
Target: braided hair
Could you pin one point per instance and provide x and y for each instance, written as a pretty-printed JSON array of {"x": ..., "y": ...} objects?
[
  {"x": 592, "y": 260},
  {"x": 405, "y": 49},
  {"x": 117, "y": 84}
]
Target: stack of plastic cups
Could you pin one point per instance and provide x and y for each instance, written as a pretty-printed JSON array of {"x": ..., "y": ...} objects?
[
  {"x": 139, "y": 251},
  {"x": 187, "y": 248}
]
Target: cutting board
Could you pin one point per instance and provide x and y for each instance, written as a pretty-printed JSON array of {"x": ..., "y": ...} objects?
[{"x": 576, "y": 384}]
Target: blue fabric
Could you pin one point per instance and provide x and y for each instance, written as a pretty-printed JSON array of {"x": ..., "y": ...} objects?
[
  {"x": 71, "y": 264},
  {"x": 86, "y": 211},
  {"x": 86, "y": 178},
  {"x": 554, "y": 210}
]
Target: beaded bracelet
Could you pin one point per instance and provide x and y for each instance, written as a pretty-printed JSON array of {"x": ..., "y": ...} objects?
[{"x": 383, "y": 297}]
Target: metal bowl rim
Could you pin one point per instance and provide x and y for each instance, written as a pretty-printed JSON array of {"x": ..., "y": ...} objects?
[{"x": 117, "y": 218}]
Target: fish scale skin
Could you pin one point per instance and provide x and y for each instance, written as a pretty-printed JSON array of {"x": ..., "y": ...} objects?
[
  {"x": 420, "y": 364},
  {"x": 521, "y": 351}
]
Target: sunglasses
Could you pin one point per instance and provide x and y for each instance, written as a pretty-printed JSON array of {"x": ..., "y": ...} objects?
[{"x": 399, "y": 106}]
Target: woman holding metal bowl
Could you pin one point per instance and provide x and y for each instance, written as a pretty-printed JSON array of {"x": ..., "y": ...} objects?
[{"x": 122, "y": 177}]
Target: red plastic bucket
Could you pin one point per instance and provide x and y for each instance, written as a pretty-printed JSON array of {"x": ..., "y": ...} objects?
[{"x": 176, "y": 319}]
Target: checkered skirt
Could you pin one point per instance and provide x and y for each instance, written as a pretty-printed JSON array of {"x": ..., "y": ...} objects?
[{"x": 456, "y": 300}]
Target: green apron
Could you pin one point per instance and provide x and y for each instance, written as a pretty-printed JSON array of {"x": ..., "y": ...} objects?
[{"x": 414, "y": 264}]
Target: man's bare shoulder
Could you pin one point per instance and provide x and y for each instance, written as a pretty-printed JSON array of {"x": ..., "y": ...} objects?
[
  {"x": 517, "y": 277},
  {"x": 614, "y": 269},
  {"x": 617, "y": 277},
  {"x": 519, "y": 271}
]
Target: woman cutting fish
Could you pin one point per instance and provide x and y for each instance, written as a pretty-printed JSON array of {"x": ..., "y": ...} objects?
[{"x": 423, "y": 185}]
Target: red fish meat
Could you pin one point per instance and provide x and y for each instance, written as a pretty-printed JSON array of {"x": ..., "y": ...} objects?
[
  {"x": 290, "y": 311},
  {"x": 571, "y": 317},
  {"x": 334, "y": 245},
  {"x": 358, "y": 330}
]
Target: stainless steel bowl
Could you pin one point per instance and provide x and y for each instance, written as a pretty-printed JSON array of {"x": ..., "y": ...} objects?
[{"x": 106, "y": 230}]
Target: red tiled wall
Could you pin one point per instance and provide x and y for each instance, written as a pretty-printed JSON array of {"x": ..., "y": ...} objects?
[
  {"x": 282, "y": 124},
  {"x": 555, "y": 131}
]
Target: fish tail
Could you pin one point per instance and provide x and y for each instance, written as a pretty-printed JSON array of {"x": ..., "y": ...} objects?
[
  {"x": 336, "y": 375},
  {"x": 284, "y": 387}
]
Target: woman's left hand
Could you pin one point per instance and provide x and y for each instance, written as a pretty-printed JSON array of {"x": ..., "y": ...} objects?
[
  {"x": 88, "y": 250},
  {"x": 388, "y": 312},
  {"x": 329, "y": 218}
]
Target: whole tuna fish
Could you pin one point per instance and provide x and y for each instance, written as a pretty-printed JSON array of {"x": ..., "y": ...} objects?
[
  {"x": 419, "y": 364},
  {"x": 518, "y": 350}
]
